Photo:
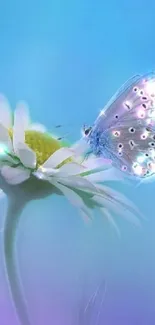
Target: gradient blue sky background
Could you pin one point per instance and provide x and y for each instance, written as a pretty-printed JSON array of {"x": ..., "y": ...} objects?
[{"x": 66, "y": 59}]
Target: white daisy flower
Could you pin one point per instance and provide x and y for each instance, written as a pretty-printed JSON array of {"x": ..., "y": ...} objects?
[
  {"x": 33, "y": 164},
  {"x": 26, "y": 150}
]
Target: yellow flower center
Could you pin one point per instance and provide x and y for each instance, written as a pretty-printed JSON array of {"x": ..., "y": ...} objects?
[{"x": 43, "y": 144}]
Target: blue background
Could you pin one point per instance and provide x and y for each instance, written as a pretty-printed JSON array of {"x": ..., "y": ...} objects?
[{"x": 66, "y": 59}]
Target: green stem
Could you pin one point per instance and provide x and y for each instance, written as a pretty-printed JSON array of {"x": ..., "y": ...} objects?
[{"x": 15, "y": 208}]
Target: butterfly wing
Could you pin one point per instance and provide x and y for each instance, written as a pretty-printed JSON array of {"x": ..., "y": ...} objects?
[
  {"x": 135, "y": 96},
  {"x": 124, "y": 132},
  {"x": 133, "y": 149}
]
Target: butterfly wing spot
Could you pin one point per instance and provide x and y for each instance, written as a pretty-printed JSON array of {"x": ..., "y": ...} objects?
[
  {"x": 116, "y": 133},
  {"x": 148, "y": 129},
  {"x": 149, "y": 164},
  {"x": 120, "y": 145},
  {"x": 127, "y": 105},
  {"x": 141, "y": 113},
  {"x": 124, "y": 168},
  {"x": 152, "y": 144},
  {"x": 135, "y": 89},
  {"x": 132, "y": 130},
  {"x": 132, "y": 144},
  {"x": 138, "y": 169},
  {"x": 144, "y": 98},
  {"x": 151, "y": 167},
  {"x": 144, "y": 135},
  {"x": 152, "y": 153},
  {"x": 120, "y": 153}
]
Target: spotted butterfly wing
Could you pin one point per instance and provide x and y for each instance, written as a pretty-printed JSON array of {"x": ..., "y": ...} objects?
[{"x": 125, "y": 130}]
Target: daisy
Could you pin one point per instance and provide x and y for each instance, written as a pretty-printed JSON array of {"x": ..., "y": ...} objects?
[
  {"x": 27, "y": 151},
  {"x": 34, "y": 164}
]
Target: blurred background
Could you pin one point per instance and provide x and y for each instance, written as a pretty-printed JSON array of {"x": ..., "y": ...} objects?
[{"x": 66, "y": 59}]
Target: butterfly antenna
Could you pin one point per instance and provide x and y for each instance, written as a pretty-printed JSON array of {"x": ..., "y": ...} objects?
[
  {"x": 63, "y": 137},
  {"x": 61, "y": 126},
  {"x": 58, "y": 126},
  {"x": 139, "y": 183}
]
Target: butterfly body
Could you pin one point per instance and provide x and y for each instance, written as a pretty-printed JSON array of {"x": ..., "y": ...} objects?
[{"x": 125, "y": 130}]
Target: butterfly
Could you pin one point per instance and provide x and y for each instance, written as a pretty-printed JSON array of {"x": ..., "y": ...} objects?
[{"x": 124, "y": 131}]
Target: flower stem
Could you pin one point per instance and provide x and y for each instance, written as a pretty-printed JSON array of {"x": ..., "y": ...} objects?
[{"x": 15, "y": 208}]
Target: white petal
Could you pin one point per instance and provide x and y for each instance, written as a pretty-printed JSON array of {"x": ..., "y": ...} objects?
[
  {"x": 79, "y": 183},
  {"x": 2, "y": 194},
  {"x": 80, "y": 147},
  {"x": 49, "y": 172},
  {"x": 40, "y": 175},
  {"x": 37, "y": 127},
  {"x": 11, "y": 160},
  {"x": 15, "y": 175},
  {"x": 73, "y": 198},
  {"x": 23, "y": 110},
  {"x": 117, "y": 208},
  {"x": 64, "y": 171},
  {"x": 26, "y": 155},
  {"x": 71, "y": 169},
  {"x": 58, "y": 157},
  {"x": 5, "y": 112},
  {"x": 108, "y": 215},
  {"x": 97, "y": 163},
  {"x": 103, "y": 176},
  {"x": 5, "y": 138},
  {"x": 85, "y": 216},
  {"x": 21, "y": 119},
  {"x": 119, "y": 197}
]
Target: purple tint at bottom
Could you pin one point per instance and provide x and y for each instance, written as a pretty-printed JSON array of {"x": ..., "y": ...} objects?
[{"x": 121, "y": 307}]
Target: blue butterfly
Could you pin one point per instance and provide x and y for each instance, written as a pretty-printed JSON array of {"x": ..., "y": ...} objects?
[{"x": 124, "y": 131}]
